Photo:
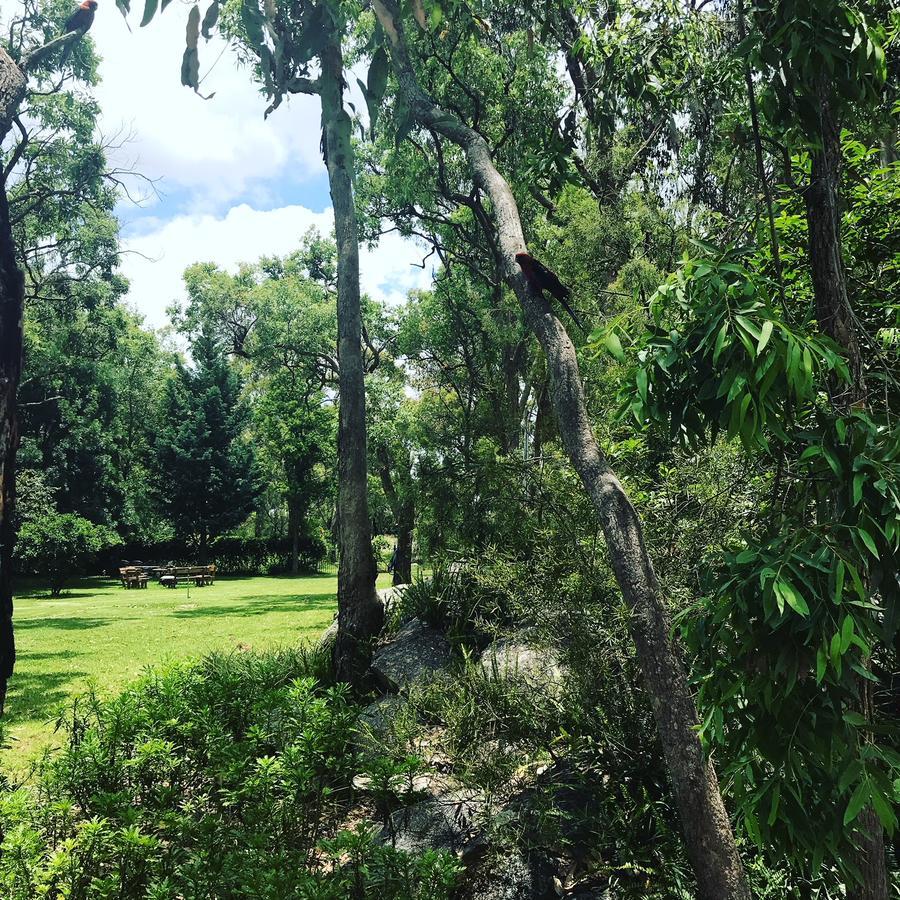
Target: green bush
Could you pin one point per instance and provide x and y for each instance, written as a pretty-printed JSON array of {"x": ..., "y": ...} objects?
[
  {"x": 230, "y": 778},
  {"x": 60, "y": 546}
]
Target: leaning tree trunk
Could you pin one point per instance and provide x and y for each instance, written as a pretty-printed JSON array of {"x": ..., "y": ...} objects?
[
  {"x": 707, "y": 830},
  {"x": 835, "y": 317},
  {"x": 359, "y": 613},
  {"x": 12, "y": 293}
]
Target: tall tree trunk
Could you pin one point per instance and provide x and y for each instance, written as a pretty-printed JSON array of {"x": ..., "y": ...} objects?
[
  {"x": 403, "y": 559},
  {"x": 823, "y": 216},
  {"x": 12, "y": 295},
  {"x": 294, "y": 534},
  {"x": 360, "y": 614},
  {"x": 835, "y": 317},
  {"x": 404, "y": 512},
  {"x": 11, "y": 300},
  {"x": 708, "y": 836}
]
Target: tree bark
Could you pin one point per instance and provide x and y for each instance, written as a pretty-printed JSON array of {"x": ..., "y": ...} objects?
[
  {"x": 12, "y": 295},
  {"x": 404, "y": 512},
  {"x": 403, "y": 559},
  {"x": 360, "y": 614},
  {"x": 294, "y": 534},
  {"x": 707, "y": 830},
  {"x": 835, "y": 317},
  {"x": 823, "y": 216}
]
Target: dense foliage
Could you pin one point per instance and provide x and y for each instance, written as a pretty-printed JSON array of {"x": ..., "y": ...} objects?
[
  {"x": 231, "y": 778},
  {"x": 718, "y": 184}
]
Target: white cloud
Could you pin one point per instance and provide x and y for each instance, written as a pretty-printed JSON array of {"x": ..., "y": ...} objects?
[
  {"x": 155, "y": 261},
  {"x": 245, "y": 185},
  {"x": 217, "y": 149}
]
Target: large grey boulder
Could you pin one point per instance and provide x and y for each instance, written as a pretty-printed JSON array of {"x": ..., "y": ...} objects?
[
  {"x": 375, "y": 724},
  {"x": 416, "y": 651},
  {"x": 519, "y": 657},
  {"x": 511, "y": 876},
  {"x": 447, "y": 818},
  {"x": 391, "y": 596}
]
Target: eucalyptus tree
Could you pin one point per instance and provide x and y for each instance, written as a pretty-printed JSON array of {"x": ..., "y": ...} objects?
[
  {"x": 815, "y": 85},
  {"x": 762, "y": 347},
  {"x": 709, "y": 839},
  {"x": 299, "y": 49},
  {"x": 86, "y": 358}
]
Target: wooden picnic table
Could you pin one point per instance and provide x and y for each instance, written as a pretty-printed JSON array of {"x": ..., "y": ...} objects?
[
  {"x": 133, "y": 577},
  {"x": 171, "y": 576}
]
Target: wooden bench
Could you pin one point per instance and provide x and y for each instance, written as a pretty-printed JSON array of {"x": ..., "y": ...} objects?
[
  {"x": 171, "y": 576},
  {"x": 133, "y": 577}
]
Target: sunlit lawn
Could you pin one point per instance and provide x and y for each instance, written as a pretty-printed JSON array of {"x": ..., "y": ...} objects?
[{"x": 99, "y": 633}]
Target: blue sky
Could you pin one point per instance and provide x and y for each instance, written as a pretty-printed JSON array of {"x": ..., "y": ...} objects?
[{"x": 230, "y": 186}]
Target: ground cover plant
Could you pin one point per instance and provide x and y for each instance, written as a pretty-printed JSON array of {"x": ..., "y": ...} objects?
[{"x": 230, "y": 777}]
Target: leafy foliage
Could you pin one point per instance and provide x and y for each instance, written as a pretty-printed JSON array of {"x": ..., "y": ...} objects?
[
  {"x": 208, "y": 477},
  {"x": 61, "y": 546},
  {"x": 228, "y": 776}
]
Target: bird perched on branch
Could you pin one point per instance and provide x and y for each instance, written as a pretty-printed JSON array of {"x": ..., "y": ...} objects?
[
  {"x": 542, "y": 279},
  {"x": 82, "y": 18}
]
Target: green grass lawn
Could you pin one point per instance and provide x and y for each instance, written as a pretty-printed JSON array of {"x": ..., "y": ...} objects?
[{"x": 98, "y": 633}]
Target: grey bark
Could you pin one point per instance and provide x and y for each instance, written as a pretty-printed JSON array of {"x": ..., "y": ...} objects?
[
  {"x": 359, "y": 612},
  {"x": 707, "y": 830}
]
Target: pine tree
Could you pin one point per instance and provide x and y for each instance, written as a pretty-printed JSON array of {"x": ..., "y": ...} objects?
[{"x": 207, "y": 469}]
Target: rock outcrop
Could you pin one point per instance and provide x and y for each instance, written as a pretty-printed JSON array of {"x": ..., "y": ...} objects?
[{"x": 416, "y": 651}]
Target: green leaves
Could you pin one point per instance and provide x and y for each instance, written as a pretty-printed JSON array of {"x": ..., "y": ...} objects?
[
  {"x": 607, "y": 340},
  {"x": 785, "y": 592},
  {"x": 253, "y": 22},
  {"x": 376, "y": 85},
  {"x": 795, "y": 42},
  {"x": 149, "y": 12},
  {"x": 190, "y": 62},
  {"x": 721, "y": 357},
  {"x": 858, "y": 800},
  {"x": 764, "y": 334},
  {"x": 150, "y": 7},
  {"x": 210, "y": 17}
]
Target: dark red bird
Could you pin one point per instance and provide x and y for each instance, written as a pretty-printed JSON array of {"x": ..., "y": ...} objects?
[
  {"x": 82, "y": 18},
  {"x": 542, "y": 279}
]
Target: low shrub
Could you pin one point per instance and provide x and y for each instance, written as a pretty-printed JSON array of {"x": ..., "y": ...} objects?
[
  {"x": 230, "y": 778},
  {"x": 61, "y": 546},
  {"x": 232, "y": 555}
]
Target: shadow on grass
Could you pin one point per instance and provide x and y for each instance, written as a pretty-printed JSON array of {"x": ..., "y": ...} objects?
[
  {"x": 257, "y": 606},
  {"x": 40, "y": 695},
  {"x": 65, "y": 623},
  {"x": 78, "y": 588}
]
